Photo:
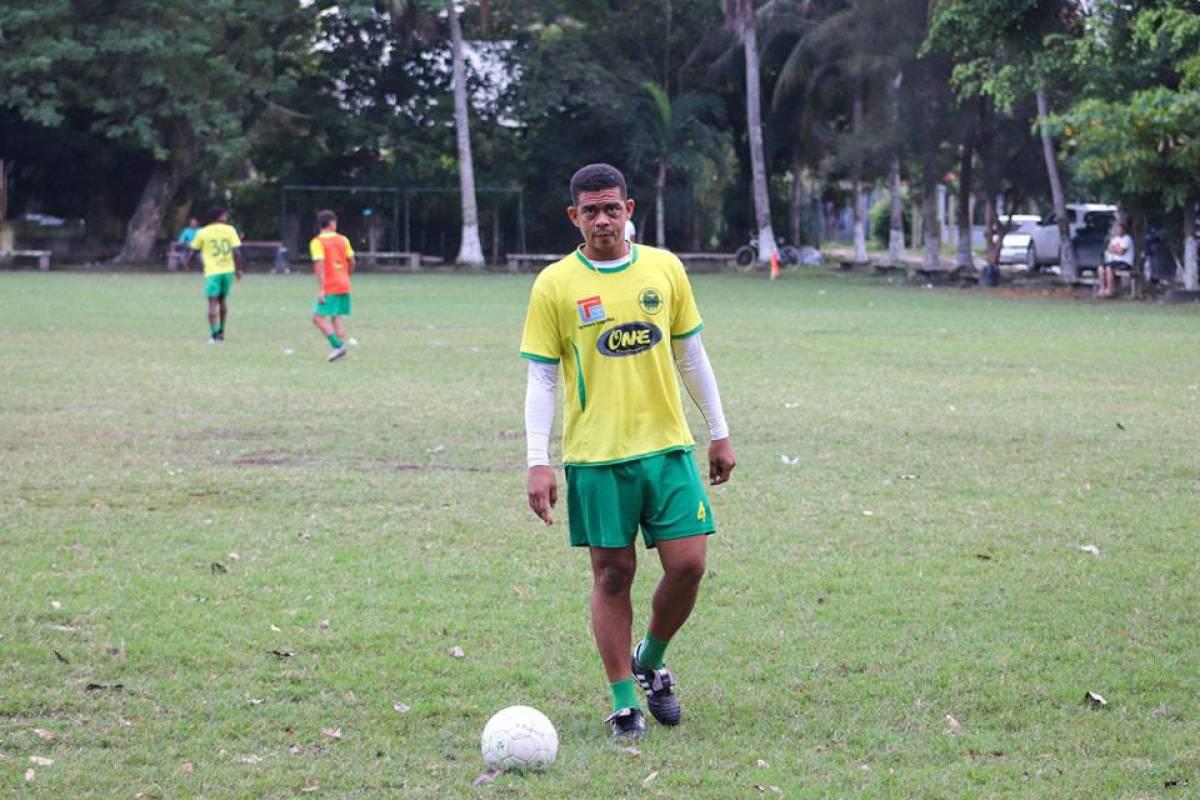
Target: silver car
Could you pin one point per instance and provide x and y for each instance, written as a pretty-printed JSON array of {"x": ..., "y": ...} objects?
[{"x": 1014, "y": 247}]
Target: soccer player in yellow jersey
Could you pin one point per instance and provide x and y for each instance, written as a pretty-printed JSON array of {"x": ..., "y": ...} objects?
[
  {"x": 619, "y": 319},
  {"x": 220, "y": 246}
]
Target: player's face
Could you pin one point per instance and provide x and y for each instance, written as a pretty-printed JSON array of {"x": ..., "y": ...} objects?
[{"x": 600, "y": 217}]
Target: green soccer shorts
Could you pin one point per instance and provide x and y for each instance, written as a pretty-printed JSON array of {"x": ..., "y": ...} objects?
[
  {"x": 219, "y": 285},
  {"x": 335, "y": 305},
  {"x": 663, "y": 494}
]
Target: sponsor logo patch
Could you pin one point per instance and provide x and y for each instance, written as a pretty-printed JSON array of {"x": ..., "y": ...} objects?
[
  {"x": 629, "y": 339},
  {"x": 591, "y": 309},
  {"x": 650, "y": 300}
]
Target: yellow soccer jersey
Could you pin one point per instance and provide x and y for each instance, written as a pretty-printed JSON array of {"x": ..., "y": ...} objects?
[
  {"x": 217, "y": 243},
  {"x": 611, "y": 331}
]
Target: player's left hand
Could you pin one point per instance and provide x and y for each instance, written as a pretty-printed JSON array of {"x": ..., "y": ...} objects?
[{"x": 721, "y": 461}]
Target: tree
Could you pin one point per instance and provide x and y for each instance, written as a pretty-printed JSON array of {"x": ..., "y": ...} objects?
[
  {"x": 470, "y": 251},
  {"x": 1010, "y": 49},
  {"x": 671, "y": 135},
  {"x": 183, "y": 84},
  {"x": 1136, "y": 136},
  {"x": 740, "y": 16}
]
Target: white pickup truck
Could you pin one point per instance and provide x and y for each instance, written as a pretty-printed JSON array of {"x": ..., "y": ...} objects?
[{"x": 1044, "y": 247}]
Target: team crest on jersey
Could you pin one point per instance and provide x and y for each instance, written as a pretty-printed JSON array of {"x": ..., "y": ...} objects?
[
  {"x": 591, "y": 310},
  {"x": 629, "y": 339},
  {"x": 650, "y": 300}
]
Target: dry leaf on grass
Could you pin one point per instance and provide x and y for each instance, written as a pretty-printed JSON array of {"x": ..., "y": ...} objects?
[
  {"x": 248, "y": 759},
  {"x": 30, "y": 774},
  {"x": 44, "y": 734},
  {"x": 402, "y": 708},
  {"x": 55, "y": 605},
  {"x": 282, "y": 653},
  {"x": 1090, "y": 548},
  {"x": 310, "y": 785},
  {"x": 63, "y": 659},
  {"x": 187, "y": 768},
  {"x": 100, "y": 687},
  {"x": 761, "y": 763},
  {"x": 332, "y": 733},
  {"x": 41, "y": 761},
  {"x": 1095, "y": 700},
  {"x": 277, "y": 629},
  {"x": 649, "y": 779},
  {"x": 953, "y": 726},
  {"x": 631, "y": 750},
  {"x": 486, "y": 777},
  {"x": 457, "y": 652},
  {"x": 323, "y": 625}
]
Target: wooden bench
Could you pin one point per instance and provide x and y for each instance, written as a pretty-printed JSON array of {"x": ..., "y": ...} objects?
[
  {"x": 409, "y": 259},
  {"x": 720, "y": 260},
  {"x": 515, "y": 260},
  {"x": 42, "y": 256}
]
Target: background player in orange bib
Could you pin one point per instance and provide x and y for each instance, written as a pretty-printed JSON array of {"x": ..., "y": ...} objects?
[{"x": 333, "y": 261}]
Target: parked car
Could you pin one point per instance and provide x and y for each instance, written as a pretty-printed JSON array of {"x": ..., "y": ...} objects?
[
  {"x": 1015, "y": 244},
  {"x": 1044, "y": 244}
]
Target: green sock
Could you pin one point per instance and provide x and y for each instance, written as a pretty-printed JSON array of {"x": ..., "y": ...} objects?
[
  {"x": 650, "y": 652},
  {"x": 334, "y": 340},
  {"x": 624, "y": 694},
  {"x": 215, "y": 329}
]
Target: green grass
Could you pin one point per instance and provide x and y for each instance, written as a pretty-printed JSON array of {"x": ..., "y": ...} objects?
[{"x": 921, "y": 559}]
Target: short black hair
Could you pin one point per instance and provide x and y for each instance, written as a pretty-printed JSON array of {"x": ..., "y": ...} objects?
[
  {"x": 595, "y": 177},
  {"x": 213, "y": 214},
  {"x": 324, "y": 218}
]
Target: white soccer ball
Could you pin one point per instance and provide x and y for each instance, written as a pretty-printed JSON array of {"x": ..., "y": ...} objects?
[{"x": 519, "y": 737}]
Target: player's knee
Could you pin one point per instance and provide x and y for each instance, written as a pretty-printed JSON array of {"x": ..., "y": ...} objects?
[
  {"x": 613, "y": 578},
  {"x": 687, "y": 570}
]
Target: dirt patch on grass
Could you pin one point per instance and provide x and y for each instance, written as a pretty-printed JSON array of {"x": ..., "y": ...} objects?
[{"x": 270, "y": 458}]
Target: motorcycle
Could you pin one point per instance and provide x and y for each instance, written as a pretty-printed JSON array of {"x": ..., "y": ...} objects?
[{"x": 746, "y": 256}]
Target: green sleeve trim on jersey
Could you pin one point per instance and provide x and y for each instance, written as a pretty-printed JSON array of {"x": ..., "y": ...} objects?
[
  {"x": 692, "y": 332},
  {"x": 580, "y": 387},
  {"x": 542, "y": 359},
  {"x": 627, "y": 459}
]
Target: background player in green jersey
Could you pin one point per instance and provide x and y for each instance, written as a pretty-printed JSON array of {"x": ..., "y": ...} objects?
[
  {"x": 220, "y": 245},
  {"x": 619, "y": 319}
]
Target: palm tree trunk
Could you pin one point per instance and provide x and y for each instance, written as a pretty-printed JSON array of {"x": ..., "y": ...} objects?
[
  {"x": 933, "y": 231},
  {"x": 758, "y": 167},
  {"x": 470, "y": 252},
  {"x": 860, "y": 197},
  {"x": 966, "y": 177},
  {"x": 796, "y": 208},
  {"x": 896, "y": 223},
  {"x": 1191, "y": 274},
  {"x": 1070, "y": 272},
  {"x": 660, "y": 205}
]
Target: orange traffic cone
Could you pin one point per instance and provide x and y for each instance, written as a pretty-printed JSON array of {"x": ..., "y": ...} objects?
[{"x": 774, "y": 265}]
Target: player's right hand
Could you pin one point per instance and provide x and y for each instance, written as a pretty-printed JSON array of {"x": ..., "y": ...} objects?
[
  {"x": 321, "y": 298},
  {"x": 542, "y": 488}
]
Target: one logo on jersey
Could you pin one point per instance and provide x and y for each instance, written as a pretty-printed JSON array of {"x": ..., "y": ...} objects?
[
  {"x": 650, "y": 300},
  {"x": 629, "y": 339},
  {"x": 591, "y": 309},
  {"x": 700, "y": 512}
]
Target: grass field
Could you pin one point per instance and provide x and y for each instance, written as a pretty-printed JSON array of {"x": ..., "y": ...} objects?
[{"x": 273, "y": 556}]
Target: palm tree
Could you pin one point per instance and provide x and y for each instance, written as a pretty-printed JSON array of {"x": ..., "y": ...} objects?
[
  {"x": 1069, "y": 267},
  {"x": 470, "y": 252},
  {"x": 414, "y": 18},
  {"x": 672, "y": 138},
  {"x": 740, "y": 17}
]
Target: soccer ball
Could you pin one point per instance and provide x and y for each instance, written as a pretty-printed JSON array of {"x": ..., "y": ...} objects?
[{"x": 519, "y": 737}]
